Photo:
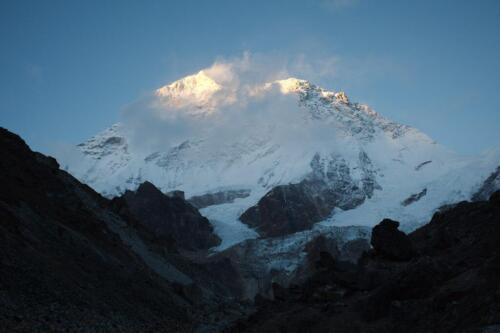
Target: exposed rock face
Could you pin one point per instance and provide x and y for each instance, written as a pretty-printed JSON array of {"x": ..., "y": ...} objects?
[
  {"x": 390, "y": 242},
  {"x": 286, "y": 209},
  {"x": 290, "y": 208},
  {"x": 450, "y": 284},
  {"x": 217, "y": 198},
  {"x": 414, "y": 197},
  {"x": 176, "y": 194},
  {"x": 421, "y": 165},
  {"x": 342, "y": 97},
  {"x": 171, "y": 217},
  {"x": 490, "y": 185}
]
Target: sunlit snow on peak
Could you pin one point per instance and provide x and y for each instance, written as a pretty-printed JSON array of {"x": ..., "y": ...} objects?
[
  {"x": 196, "y": 91},
  {"x": 198, "y": 86},
  {"x": 290, "y": 85},
  {"x": 240, "y": 87}
]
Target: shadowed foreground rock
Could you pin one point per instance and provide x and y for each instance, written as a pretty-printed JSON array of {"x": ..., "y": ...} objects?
[
  {"x": 443, "y": 277},
  {"x": 171, "y": 217},
  {"x": 391, "y": 243},
  {"x": 61, "y": 266}
]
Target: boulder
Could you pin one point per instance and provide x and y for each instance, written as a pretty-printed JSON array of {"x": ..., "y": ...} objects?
[
  {"x": 171, "y": 217},
  {"x": 390, "y": 242}
]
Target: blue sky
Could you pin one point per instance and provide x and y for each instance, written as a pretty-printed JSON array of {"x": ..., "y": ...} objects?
[{"x": 69, "y": 67}]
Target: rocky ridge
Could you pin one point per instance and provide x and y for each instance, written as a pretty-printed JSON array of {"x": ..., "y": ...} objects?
[{"x": 170, "y": 217}]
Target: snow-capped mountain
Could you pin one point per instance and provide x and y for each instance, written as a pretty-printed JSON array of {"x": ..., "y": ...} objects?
[{"x": 243, "y": 140}]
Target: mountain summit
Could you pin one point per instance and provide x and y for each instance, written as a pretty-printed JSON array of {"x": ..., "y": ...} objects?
[{"x": 280, "y": 146}]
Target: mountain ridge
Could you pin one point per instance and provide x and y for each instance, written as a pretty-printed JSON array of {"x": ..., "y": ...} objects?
[{"x": 285, "y": 126}]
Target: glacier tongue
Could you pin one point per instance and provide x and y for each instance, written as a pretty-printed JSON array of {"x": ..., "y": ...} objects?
[{"x": 255, "y": 138}]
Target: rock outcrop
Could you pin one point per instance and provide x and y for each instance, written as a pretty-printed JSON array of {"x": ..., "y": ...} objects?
[
  {"x": 342, "y": 97},
  {"x": 390, "y": 242},
  {"x": 414, "y": 198},
  {"x": 217, "y": 198},
  {"x": 171, "y": 217},
  {"x": 290, "y": 208},
  {"x": 286, "y": 209},
  {"x": 421, "y": 165}
]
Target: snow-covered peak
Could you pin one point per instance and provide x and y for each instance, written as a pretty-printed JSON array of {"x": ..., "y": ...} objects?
[
  {"x": 212, "y": 89},
  {"x": 201, "y": 93},
  {"x": 198, "y": 93},
  {"x": 105, "y": 143},
  {"x": 251, "y": 136},
  {"x": 292, "y": 85},
  {"x": 299, "y": 86}
]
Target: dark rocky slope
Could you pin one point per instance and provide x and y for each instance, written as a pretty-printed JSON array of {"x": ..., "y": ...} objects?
[
  {"x": 443, "y": 277},
  {"x": 61, "y": 265},
  {"x": 168, "y": 217},
  {"x": 71, "y": 261}
]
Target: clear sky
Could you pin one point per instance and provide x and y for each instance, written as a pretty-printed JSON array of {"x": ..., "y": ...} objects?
[{"x": 67, "y": 68}]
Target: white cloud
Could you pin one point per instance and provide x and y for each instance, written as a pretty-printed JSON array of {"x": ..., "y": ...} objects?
[{"x": 223, "y": 98}]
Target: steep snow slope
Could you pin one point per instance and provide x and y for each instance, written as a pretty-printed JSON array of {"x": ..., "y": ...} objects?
[
  {"x": 447, "y": 182},
  {"x": 255, "y": 137}
]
